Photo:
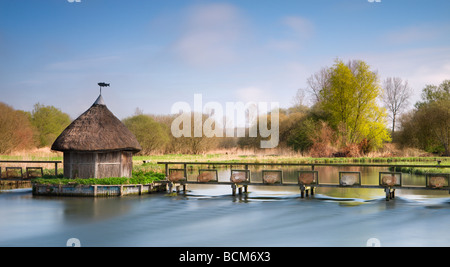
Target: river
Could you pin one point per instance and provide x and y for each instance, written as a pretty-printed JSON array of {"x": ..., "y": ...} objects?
[{"x": 208, "y": 215}]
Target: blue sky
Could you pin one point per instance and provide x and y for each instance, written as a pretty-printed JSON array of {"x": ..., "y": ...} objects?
[{"x": 155, "y": 53}]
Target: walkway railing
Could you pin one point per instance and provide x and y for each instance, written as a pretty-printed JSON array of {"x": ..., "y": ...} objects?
[
  {"x": 306, "y": 180},
  {"x": 36, "y": 167}
]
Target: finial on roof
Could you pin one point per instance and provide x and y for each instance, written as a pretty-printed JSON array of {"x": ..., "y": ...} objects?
[
  {"x": 102, "y": 85},
  {"x": 99, "y": 101}
]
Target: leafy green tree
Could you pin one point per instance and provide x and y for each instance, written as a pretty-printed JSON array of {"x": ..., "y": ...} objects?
[
  {"x": 428, "y": 126},
  {"x": 49, "y": 122},
  {"x": 302, "y": 136},
  {"x": 151, "y": 135},
  {"x": 432, "y": 93},
  {"x": 350, "y": 101}
]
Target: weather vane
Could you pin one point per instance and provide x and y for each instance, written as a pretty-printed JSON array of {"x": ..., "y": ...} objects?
[{"x": 102, "y": 85}]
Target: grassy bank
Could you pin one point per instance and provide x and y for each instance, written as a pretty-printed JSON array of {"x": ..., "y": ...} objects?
[
  {"x": 151, "y": 161},
  {"x": 422, "y": 171},
  {"x": 282, "y": 159}
]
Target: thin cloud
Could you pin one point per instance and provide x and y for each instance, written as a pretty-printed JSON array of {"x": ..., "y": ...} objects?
[
  {"x": 82, "y": 64},
  {"x": 296, "y": 30},
  {"x": 414, "y": 34},
  {"x": 251, "y": 94},
  {"x": 300, "y": 26},
  {"x": 210, "y": 35}
]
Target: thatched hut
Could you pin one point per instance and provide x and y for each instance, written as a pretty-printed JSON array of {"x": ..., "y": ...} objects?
[{"x": 97, "y": 145}]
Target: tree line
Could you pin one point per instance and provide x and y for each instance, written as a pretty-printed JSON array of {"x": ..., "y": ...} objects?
[
  {"x": 22, "y": 130},
  {"x": 351, "y": 113}
]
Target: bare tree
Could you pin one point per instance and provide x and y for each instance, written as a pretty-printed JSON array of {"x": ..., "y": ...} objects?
[
  {"x": 396, "y": 96},
  {"x": 319, "y": 81},
  {"x": 299, "y": 98}
]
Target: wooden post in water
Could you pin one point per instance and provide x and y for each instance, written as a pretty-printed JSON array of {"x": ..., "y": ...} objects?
[
  {"x": 388, "y": 193},
  {"x": 245, "y": 186},
  {"x": 185, "y": 177},
  {"x": 166, "y": 171}
]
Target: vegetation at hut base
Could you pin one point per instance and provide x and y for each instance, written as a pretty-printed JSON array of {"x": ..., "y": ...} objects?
[{"x": 138, "y": 177}]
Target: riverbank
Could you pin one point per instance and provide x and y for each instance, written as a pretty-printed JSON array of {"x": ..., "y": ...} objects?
[{"x": 149, "y": 163}]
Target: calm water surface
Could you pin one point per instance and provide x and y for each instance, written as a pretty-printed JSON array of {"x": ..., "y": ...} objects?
[{"x": 209, "y": 216}]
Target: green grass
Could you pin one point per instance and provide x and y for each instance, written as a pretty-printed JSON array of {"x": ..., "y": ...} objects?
[
  {"x": 138, "y": 177},
  {"x": 421, "y": 171}
]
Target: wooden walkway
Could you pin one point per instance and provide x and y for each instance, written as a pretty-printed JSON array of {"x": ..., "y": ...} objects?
[
  {"x": 307, "y": 182},
  {"x": 28, "y": 169}
]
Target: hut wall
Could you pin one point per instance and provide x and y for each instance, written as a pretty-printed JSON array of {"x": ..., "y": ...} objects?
[
  {"x": 67, "y": 166},
  {"x": 127, "y": 163},
  {"x": 108, "y": 164},
  {"x": 79, "y": 165},
  {"x": 97, "y": 164}
]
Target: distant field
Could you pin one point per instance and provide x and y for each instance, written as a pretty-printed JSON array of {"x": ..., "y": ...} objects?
[{"x": 151, "y": 161}]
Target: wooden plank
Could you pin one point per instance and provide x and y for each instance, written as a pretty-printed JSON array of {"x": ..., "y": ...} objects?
[
  {"x": 14, "y": 168},
  {"x": 34, "y": 168}
]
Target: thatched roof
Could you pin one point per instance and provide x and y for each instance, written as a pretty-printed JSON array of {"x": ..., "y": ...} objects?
[{"x": 97, "y": 129}]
